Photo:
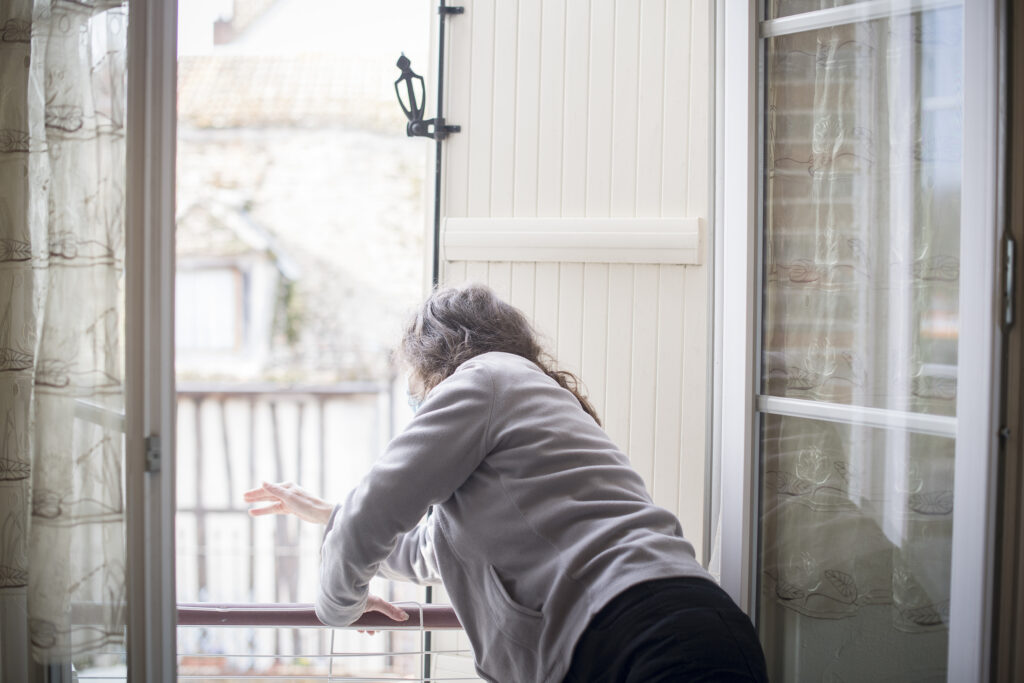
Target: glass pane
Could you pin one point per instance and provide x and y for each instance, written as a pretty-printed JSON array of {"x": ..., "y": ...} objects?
[
  {"x": 862, "y": 205},
  {"x": 856, "y": 537},
  {"x": 784, "y": 8}
]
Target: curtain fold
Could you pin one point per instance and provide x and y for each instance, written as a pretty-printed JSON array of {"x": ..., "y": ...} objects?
[{"x": 62, "y": 195}]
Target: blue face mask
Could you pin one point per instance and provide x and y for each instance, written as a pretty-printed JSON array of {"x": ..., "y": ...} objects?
[{"x": 414, "y": 403}]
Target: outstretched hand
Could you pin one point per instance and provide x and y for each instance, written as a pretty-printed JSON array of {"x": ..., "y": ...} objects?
[{"x": 287, "y": 498}]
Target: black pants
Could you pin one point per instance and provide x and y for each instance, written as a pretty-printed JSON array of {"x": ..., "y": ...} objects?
[{"x": 680, "y": 629}]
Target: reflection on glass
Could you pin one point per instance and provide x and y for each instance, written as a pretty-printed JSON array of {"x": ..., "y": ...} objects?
[
  {"x": 862, "y": 205},
  {"x": 856, "y": 533},
  {"x": 775, "y": 9}
]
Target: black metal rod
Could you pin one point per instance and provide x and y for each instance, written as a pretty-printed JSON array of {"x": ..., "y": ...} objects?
[{"x": 435, "y": 272}]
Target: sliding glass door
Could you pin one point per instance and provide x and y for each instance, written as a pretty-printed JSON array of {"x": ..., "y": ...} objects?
[{"x": 866, "y": 277}]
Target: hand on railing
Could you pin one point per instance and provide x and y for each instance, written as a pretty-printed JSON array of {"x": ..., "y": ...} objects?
[{"x": 287, "y": 498}]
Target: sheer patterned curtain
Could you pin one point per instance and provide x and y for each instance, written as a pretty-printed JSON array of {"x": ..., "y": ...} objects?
[
  {"x": 860, "y": 308},
  {"x": 62, "y": 185}
]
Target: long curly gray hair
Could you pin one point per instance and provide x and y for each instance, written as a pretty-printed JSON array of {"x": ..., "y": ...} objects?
[{"x": 456, "y": 324}]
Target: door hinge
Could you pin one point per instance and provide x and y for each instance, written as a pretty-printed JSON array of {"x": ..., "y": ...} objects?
[
  {"x": 153, "y": 453},
  {"x": 1009, "y": 283}
]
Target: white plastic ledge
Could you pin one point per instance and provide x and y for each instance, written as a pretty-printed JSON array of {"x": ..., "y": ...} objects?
[{"x": 667, "y": 241}]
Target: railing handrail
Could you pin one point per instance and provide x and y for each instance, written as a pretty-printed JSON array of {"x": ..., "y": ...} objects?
[
  {"x": 433, "y": 617},
  {"x": 192, "y": 389}
]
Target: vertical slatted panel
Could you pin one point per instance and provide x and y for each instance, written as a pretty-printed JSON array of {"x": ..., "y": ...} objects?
[
  {"x": 669, "y": 390},
  {"x": 476, "y": 271},
  {"x": 644, "y": 355},
  {"x": 622, "y": 201},
  {"x": 594, "y": 344},
  {"x": 527, "y": 108},
  {"x": 503, "y": 117},
  {"x": 454, "y": 272},
  {"x": 545, "y": 307},
  {"x": 580, "y": 108},
  {"x": 651, "y": 118},
  {"x": 459, "y": 42},
  {"x": 575, "y": 108},
  {"x": 599, "y": 110},
  {"x": 698, "y": 178},
  {"x": 676, "y": 109},
  {"x": 690, "y": 507},
  {"x": 522, "y": 292},
  {"x": 499, "y": 277},
  {"x": 550, "y": 105},
  {"x": 620, "y": 342},
  {"x": 570, "y": 316},
  {"x": 478, "y": 173}
]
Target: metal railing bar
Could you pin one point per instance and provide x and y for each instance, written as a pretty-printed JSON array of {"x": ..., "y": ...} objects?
[
  {"x": 302, "y": 615},
  {"x": 205, "y": 389},
  {"x": 305, "y": 677},
  {"x": 381, "y": 653}
]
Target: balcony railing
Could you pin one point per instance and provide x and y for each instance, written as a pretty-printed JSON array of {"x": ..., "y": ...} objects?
[
  {"x": 301, "y": 615},
  {"x": 404, "y": 659},
  {"x": 394, "y": 659}
]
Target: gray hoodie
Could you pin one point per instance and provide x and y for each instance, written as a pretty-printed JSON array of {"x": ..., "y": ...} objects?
[{"x": 538, "y": 522}]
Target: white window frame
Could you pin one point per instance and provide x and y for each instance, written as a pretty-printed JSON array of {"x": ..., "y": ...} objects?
[
  {"x": 737, "y": 347},
  {"x": 149, "y": 338}
]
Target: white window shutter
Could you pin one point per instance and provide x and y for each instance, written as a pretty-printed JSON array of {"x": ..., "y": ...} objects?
[{"x": 579, "y": 189}]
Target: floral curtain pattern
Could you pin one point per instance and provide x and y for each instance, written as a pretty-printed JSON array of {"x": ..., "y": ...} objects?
[
  {"x": 62, "y": 192},
  {"x": 860, "y": 308}
]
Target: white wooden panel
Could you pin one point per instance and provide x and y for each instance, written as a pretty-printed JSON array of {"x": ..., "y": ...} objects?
[
  {"x": 477, "y": 271},
  {"x": 503, "y": 116},
  {"x": 693, "y": 424},
  {"x": 620, "y": 347},
  {"x": 521, "y": 295},
  {"x": 698, "y": 156},
  {"x": 499, "y": 277},
  {"x": 453, "y": 272},
  {"x": 576, "y": 108},
  {"x": 527, "y": 108},
  {"x": 545, "y": 306},
  {"x": 595, "y": 333},
  {"x": 599, "y": 112},
  {"x": 677, "y": 109},
  {"x": 622, "y": 200},
  {"x": 669, "y": 390},
  {"x": 651, "y": 115},
  {"x": 550, "y": 120},
  {"x": 459, "y": 58},
  {"x": 643, "y": 374},
  {"x": 478, "y": 173},
  {"x": 603, "y": 240},
  {"x": 570, "y": 317}
]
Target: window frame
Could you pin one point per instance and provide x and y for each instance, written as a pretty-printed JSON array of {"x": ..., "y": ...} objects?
[
  {"x": 149, "y": 339},
  {"x": 738, "y": 407}
]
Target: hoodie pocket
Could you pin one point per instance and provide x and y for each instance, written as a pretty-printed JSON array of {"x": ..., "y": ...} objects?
[{"x": 502, "y": 592}]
